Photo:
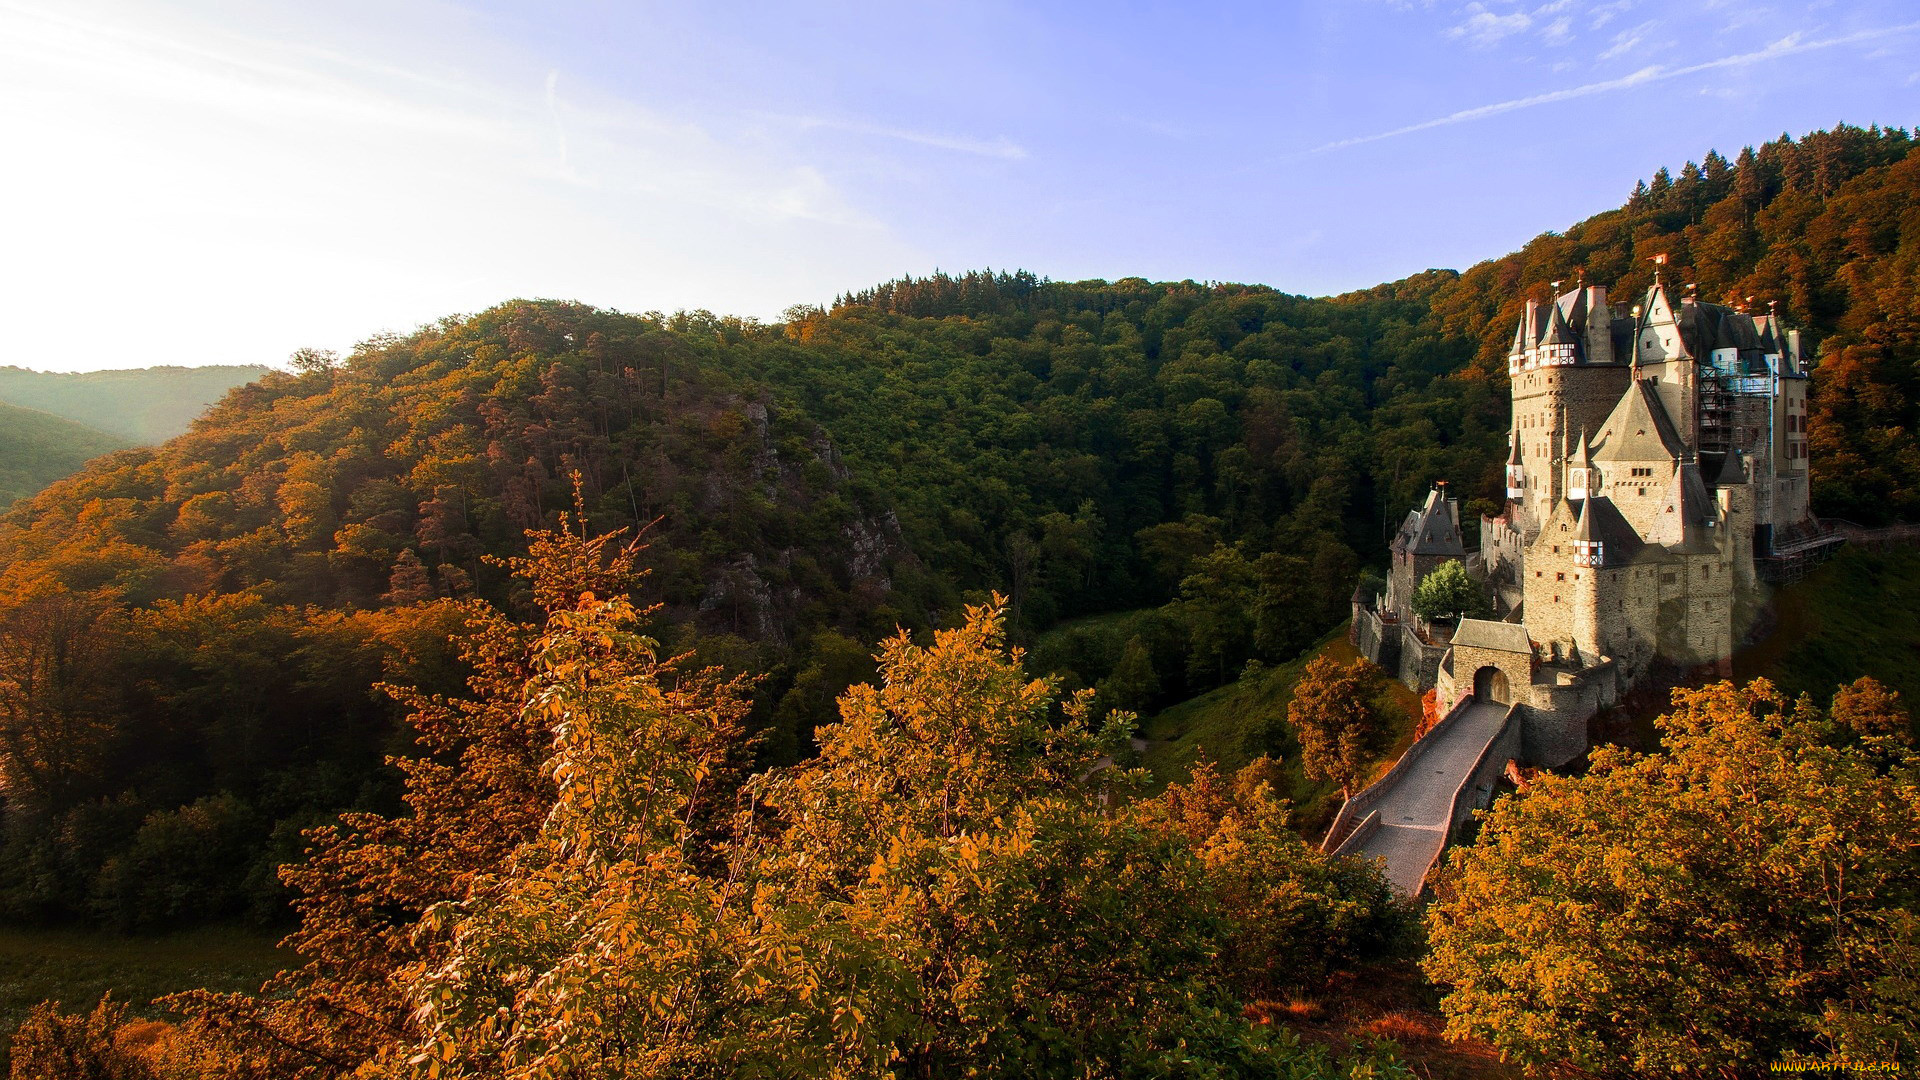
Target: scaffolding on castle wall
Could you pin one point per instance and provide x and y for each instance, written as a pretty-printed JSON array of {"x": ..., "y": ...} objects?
[{"x": 1737, "y": 413}]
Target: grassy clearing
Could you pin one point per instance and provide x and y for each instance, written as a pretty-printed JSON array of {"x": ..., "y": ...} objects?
[
  {"x": 75, "y": 967},
  {"x": 1225, "y": 726}
]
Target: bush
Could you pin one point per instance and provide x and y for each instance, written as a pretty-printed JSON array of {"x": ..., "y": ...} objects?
[{"x": 54, "y": 1045}]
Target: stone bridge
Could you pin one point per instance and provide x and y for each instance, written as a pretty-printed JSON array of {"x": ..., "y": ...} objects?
[{"x": 1407, "y": 817}]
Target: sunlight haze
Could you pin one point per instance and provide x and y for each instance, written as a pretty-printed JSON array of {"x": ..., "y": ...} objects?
[{"x": 199, "y": 183}]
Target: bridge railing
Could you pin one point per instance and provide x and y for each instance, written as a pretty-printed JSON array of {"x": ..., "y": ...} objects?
[
  {"x": 1489, "y": 765},
  {"x": 1356, "y": 808},
  {"x": 1367, "y": 827}
]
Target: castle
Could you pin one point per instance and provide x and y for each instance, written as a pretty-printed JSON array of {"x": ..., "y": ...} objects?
[{"x": 1657, "y": 470}]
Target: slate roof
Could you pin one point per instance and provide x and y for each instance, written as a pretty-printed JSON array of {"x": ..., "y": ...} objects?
[
  {"x": 1430, "y": 530},
  {"x": 1695, "y": 504},
  {"x": 1566, "y": 319},
  {"x": 1639, "y": 429},
  {"x": 1558, "y": 332},
  {"x": 1601, "y": 520},
  {"x": 1487, "y": 634},
  {"x": 1731, "y": 472}
]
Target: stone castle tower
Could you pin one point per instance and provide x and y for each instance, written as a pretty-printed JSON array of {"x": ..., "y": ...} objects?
[{"x": 1657, "y": 469}]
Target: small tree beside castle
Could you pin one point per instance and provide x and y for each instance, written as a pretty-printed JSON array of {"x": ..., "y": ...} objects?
[{"x": 1448, "y": 593}]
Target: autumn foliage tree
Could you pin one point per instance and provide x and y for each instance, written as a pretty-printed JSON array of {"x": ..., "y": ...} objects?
[
  {"x": 479, "y": 793},
  {"x": 1744, "y": 895},
  {"x": 945, "y": 890},
  {"x": 1333, "y": 715}
]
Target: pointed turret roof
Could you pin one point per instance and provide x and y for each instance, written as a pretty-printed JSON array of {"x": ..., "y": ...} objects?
[
  {"x": 1639, "y": 429},
  {"x": 1558, "y": 332},
  {"x": 1732, "y": 472},
  {"x": 1602, "y": 521},
  {"x": 1573, "y": 306}
]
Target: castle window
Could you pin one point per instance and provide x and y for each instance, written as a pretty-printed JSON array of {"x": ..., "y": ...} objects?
[{"x": 1559, "y": 577}]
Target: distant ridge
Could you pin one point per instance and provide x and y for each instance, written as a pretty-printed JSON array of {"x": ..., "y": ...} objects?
[
  {"x": 142, "y": 406},
  {"x": 37, "y": 448}
]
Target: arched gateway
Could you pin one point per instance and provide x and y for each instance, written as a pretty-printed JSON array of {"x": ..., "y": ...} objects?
[{"x": 1490, "y": 685}]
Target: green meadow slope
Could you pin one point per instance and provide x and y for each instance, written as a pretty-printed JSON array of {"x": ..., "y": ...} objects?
[
  {"x": 143, "y": 406},
  {"x": 37, "y": 448}
]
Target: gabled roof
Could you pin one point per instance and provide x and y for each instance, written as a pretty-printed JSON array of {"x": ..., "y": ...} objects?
[
  {"x": 1573, "y": 306},
  {"x": 1487, "y": 634},
  {"x": 1558, "y": 521},
  {"x": 1696, "y": 505},
  {"x": 1659, "y": 336},
  {"x": 1639, "y": 429},
  {"x": 1690, "y": 513}
]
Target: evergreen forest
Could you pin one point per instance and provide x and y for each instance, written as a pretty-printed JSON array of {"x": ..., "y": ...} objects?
[{"x": 620, "y": 690}]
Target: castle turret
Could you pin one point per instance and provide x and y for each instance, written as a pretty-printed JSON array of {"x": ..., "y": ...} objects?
[
  {"x": 1583, "y": 591},
  {"x": 1557, "y": 345},
  {"x": 1516, "y": 471},
  {"x": 1580, "y": 480}
]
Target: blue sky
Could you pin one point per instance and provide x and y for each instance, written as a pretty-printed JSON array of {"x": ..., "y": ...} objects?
[{"x": 225, "y": 182}]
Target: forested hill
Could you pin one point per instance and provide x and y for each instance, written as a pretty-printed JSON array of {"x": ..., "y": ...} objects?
[
  {"x": 1827, "y": 227},
  {"x": 139, "y": 405},
  {"x": 1228, "y": 456},
  {"x": 38, "y": 448}
]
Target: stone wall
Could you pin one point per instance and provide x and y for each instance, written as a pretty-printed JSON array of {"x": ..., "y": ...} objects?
[
  {"x": 1419, "y": 662},
  {"x": 1554, "y": 725}
]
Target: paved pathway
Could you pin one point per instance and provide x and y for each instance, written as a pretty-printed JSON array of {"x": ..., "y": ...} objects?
[{"x": 1413, "y": 813}]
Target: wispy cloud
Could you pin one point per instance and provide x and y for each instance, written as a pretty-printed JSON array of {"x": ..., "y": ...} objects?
[
  {"x": 1603, "y": 14},
  {"x": 1484, "y": 29},
  {"x": 1787, "y": 46},
  {"x": 997, "y": 147},
  {"x": 1558, "y": 32},
  {"x": 1626, "y": 41},
  {"x": 336, "y": 181}
]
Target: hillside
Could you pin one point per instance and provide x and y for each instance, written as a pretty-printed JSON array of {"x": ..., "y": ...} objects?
[
  {"x": 1823, "y": 227},
  {"x": 1217, "y": 461},
  {"x": 141, "y": 406},
  {"x": 1857, "y": 615},
  {"x": 37, "y": 448}
]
